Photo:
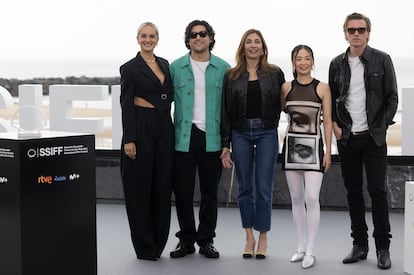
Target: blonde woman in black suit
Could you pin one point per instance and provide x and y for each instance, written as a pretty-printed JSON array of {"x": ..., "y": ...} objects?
[{"x": 147, "y": 145}]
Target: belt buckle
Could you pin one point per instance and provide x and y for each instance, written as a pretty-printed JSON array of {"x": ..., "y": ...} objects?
[{"x": 359, "y": 133}]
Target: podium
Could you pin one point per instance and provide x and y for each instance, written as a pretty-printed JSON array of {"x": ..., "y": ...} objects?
[
  {"x": 409, "y": 228},
  {"x": 48, "y": 204}
]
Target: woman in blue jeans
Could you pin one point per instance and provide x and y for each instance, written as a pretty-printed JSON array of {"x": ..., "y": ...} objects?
[{"x": 250, "y": 117}]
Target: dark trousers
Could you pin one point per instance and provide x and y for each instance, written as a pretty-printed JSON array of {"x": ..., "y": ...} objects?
[
  {"x": 147, "y": 182},
  {"x": 361, "y": 151},
  {"x": 209, "y": 169}
]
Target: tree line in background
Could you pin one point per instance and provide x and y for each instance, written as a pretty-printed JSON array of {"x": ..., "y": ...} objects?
[{"x": 12, "y": 85}]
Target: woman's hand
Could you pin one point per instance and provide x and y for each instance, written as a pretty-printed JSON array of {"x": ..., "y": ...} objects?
[
  {"x": 327, "y": 161},
  {"x": 130, "y": 150},
  {"x": 226, "y": 158}
]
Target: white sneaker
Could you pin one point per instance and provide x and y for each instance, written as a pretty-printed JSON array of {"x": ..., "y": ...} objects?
[
  {"x": 308, "y": 261},
  {"x": 297, "y": 257}
]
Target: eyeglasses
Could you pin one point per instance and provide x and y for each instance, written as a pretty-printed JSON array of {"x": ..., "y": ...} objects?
[
  {"x": 353, "y": 30},
  {"x": 202, "y": 34}
]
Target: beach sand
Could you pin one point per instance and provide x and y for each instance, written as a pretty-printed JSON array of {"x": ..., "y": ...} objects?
[{"x": 103, "y": 138}]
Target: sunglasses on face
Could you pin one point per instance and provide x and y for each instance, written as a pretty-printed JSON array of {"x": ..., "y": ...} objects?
[
  {"x": 202, "y": 34},
  {"x": 359, "y": 30}
]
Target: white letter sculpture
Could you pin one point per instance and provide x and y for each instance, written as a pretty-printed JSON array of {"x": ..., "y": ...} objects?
[
  {"x": 6, "y": 101},
  {"x": 60, "y": 106}
]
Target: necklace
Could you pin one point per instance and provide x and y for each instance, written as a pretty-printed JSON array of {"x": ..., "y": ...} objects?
[{"x": 150, "y": 61}]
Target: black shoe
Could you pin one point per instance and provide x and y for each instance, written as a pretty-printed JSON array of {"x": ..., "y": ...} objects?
[
  {"x": 209, "y": 251},
  {"x": 383, "y": 258},
  {"x": 182, "y": 250},
  {"x": 147, "y": 257},
  {"x": 261, "y": 255},
  {"x": 358, "y": 252}
]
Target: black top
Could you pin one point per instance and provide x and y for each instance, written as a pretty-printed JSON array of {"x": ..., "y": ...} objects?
[{"x": 254, "y": 100}]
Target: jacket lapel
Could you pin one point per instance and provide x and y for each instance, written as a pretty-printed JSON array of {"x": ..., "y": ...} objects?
[{"x": 146, "y": 71}]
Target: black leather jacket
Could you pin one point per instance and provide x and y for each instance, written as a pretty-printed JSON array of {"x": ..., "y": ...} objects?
[
  {"x": 233, "y": 115},
  {"x": 381, "y": 92}
]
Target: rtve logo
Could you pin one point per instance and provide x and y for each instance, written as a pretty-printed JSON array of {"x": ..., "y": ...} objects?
[
  {"x": 45, "y": 180},
  {"x": 55, "y": 179},
  {"x": 45, "y": 152}
]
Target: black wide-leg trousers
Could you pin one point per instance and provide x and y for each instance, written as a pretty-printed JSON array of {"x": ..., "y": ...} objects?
[{"x": 147, "y": 182}]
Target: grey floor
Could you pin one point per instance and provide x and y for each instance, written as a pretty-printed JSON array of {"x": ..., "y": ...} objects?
[{"x": 116, "y": 255}]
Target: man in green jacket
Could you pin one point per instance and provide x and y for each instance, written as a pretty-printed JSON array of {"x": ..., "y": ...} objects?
[{"x": 197, "y": 79}]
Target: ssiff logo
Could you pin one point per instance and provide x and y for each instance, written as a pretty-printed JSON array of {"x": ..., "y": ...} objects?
[
  {"x": 3, "y": 180},
  {"x": 45, "y": 152}
]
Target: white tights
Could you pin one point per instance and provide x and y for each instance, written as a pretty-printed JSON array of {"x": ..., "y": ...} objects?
[{"x": 304, "y": 187}]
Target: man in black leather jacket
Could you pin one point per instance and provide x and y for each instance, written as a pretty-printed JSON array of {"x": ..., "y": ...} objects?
[{"x": 364, "y": 102}]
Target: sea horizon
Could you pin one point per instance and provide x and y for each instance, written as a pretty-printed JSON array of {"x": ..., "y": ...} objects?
[{"x": 109, "y": 67}]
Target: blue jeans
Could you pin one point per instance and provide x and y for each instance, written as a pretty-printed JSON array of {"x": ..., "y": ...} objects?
[{"x": 255, "y": 152}]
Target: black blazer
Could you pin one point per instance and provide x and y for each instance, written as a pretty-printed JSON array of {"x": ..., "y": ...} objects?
[{"x": 137, "y": 79}]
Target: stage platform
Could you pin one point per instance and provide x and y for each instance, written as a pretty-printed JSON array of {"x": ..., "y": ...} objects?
[{"x": 116, "y": 255}]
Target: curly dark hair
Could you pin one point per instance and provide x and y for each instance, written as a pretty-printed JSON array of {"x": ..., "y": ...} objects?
[{"x": 209, "y": 29}]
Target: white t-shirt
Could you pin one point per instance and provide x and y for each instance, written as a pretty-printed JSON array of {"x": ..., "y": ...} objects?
[
  {"x": 356, "y": 100},
  {"x": 199, "y": 110}
]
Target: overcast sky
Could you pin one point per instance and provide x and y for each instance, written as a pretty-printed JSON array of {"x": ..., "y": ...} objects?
[{"x": 106, "y": 29}]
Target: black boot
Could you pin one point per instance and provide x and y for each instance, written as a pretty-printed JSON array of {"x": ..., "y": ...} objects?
[
  {"x": 358, "y": 252},
  {"x": 383, "y": 258}
]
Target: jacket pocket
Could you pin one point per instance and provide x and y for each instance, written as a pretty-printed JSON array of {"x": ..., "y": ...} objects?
[
  {"x": 178, "y": 85},
  {"x": 375, "y": 81}
]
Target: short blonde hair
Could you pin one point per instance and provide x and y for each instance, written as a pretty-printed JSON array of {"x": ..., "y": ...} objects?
[{"x": 150, "y": 24}]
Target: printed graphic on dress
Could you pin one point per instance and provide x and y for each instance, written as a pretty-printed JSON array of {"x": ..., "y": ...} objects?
[
  {"x": 302, "y": 149},
  {"x": 302, "y": 152},
  {"x": 304, "y": 117}
]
